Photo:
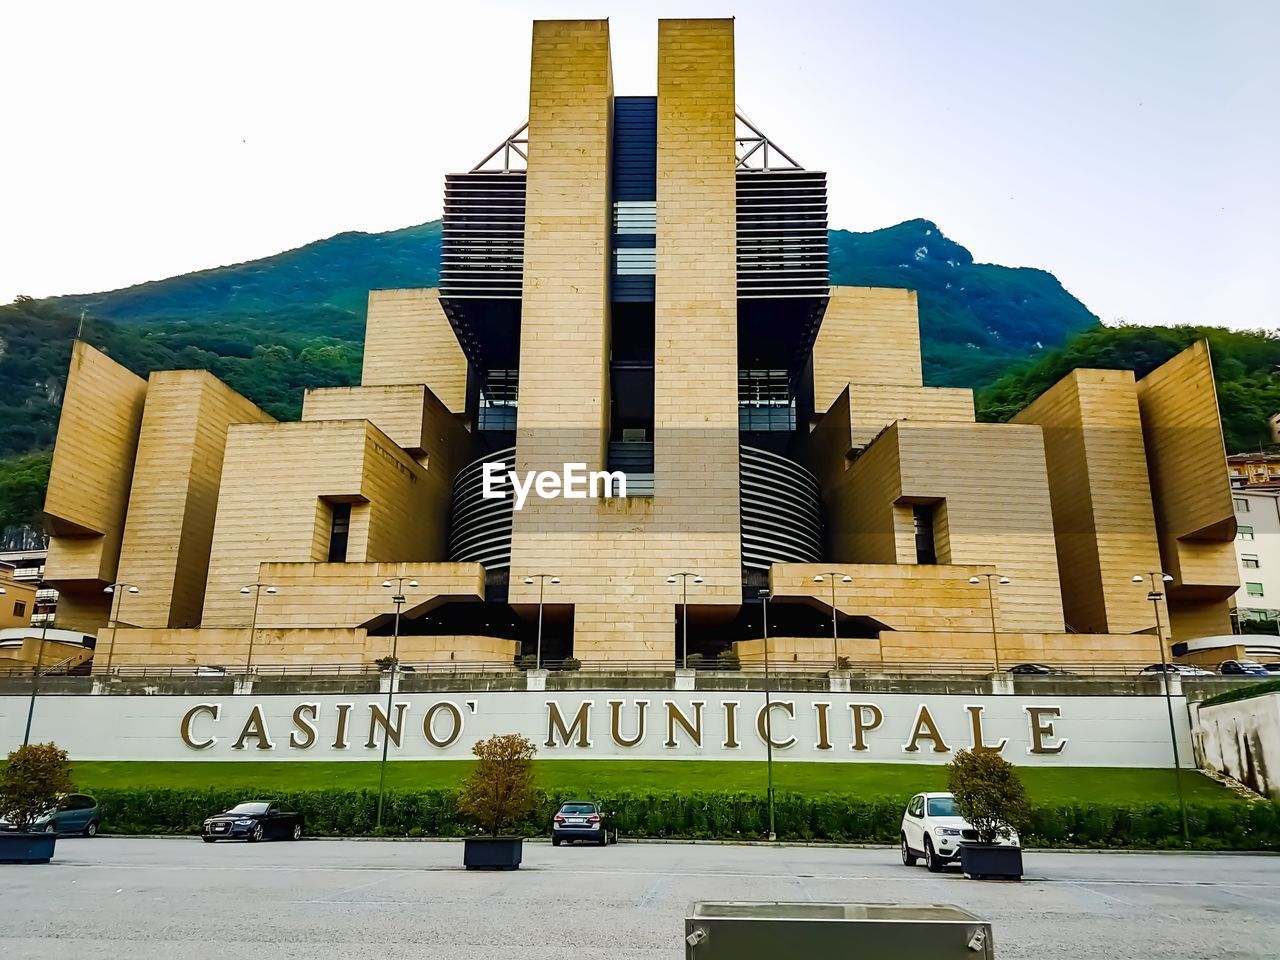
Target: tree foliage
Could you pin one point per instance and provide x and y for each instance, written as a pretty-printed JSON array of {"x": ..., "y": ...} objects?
[
  {"x": 499, "y": 792},
  {"x": 34, "y": 778},
  {"x": 989, "y": 794},
  {"x": 22, "y": 483},
  {"x": 1245, "y": 365}
]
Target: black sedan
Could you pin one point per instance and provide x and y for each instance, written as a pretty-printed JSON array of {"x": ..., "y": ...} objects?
[
  {"x": 253, "y": 821},
  {"x": 1039, "y": 670}
]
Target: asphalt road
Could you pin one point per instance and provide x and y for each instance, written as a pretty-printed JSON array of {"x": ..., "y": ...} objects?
[{"x": 179, "y": 898}]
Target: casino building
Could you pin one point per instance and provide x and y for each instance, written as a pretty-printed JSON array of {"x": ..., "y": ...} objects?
[{"x": 638, "y": 284}]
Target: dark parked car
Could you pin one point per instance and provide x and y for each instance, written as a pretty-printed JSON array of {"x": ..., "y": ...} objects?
[
  {"x": 1242, "y": 668},
  {"x": 580, "y": 820},
  {"x": 253, "y": 821},
  {"x": 75, "y": 813},
  {"x": 1039, "y": 669}
]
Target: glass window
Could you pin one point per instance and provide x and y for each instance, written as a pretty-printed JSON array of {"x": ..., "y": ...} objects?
[
  {"x": 339, "y": 532},
  {"x": 578, "y": 808},
  {"x": 499, "y": 400},
  {"x": 922, "y": 517},
  {"x": 1245, "y": 533},
  {"x": 1253, "y": 589},
  {"x": 943, "y": 807},
  {"x": 1241, "y": 503},
  {"x": 765, "y": 402},
  {"x": 19, "y": 608},
  {"x": 1249, "y": 561},
  {"x": 249, "y": 808}
]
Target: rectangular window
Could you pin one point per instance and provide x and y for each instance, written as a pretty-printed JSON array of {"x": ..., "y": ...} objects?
[
  {"x": 499, "y": 399},
  {"x": 19, "y": 608},
  {"x": 1249, "y": 561},
  {"x": 1242, "y": 505},
  {"x": 1253, "y": 589},
  {"x": 765, "y": 402},
  {"x": 635, "y": 261},
  {"x": 1244, "y": 533},
  {"x": 922, "y": 515},
  {"x": 339, "y": 532}
]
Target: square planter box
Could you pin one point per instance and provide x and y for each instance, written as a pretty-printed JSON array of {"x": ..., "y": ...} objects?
[
  {"x": 995, "y": 861},
  {"x": 492, "y": 853},
  {"x": 27, "y": 847}
]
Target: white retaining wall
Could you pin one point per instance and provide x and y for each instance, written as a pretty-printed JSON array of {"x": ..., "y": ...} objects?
[
  {"x": 1242, "y": 740},
  {"x": 1113, "y": 731}
]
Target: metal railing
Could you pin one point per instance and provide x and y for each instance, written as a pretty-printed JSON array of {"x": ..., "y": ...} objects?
[{"x": 781, "y": 666}]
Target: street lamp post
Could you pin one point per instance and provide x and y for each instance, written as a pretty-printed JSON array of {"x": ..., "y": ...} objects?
[
  {"x": 542, "y": 584},
  {"x": 1156, "y": 579},
  {"x": 117, "y": 590},
  {"x": 398, "y": 584},
  {"x": 684, "y": 606},
  {"x": 35, "y": 678},
  {"x": 768, "y": 713},
  {"x": 256, "y": 589},
  {"x": 991, "y": 607},
  {"x": 835, "y": 628}
]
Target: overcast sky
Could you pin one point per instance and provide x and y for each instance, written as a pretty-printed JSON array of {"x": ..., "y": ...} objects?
[{"x": 1133, "y": 148}]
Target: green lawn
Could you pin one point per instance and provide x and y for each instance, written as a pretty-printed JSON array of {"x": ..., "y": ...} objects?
[{"x": 594, "y": 777}]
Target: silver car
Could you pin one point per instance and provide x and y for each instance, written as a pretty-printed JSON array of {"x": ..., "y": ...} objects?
[{"x": 580, "y": 820}]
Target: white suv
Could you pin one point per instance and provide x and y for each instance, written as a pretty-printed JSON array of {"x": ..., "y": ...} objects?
[{"x": 933, "y": 829}]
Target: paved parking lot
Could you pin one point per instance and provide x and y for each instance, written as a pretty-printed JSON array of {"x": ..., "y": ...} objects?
[{"x": 179, "y": 898}]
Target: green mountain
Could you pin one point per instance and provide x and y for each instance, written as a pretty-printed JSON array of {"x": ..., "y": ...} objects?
[
  {"x": 975, "y": 317},
  {"x": 273, "y": 327}
]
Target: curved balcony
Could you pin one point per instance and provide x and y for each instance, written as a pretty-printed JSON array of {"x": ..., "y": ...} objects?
[
  {"x": 480, "y": 529},
  {"x": 781, "y": 510}
]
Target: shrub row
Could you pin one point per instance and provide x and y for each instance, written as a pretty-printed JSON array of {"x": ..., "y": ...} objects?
[
  {"x": 1246, "y": 692},
  {"x": 719, "y": 816}
]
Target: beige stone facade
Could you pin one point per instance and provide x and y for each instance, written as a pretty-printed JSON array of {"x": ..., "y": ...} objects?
[
  {"x": 671, "y": 326},
  {"x": 408, "y": 340},
  {"x": 17, "y": 602}
]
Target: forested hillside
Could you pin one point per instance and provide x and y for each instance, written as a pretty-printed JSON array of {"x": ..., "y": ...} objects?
[
  {"x": 273, "y": 327},
  {"x": 1246, "y": 367}
]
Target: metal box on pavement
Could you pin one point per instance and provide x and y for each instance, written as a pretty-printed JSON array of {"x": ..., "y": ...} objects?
[{"x": 740, "y": 930}]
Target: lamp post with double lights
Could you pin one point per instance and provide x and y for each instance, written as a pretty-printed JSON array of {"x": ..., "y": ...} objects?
[
  {"x": 398, "y": 584},
  {"x": 991, "y": 607},
  {"x": 684, "y": 606},
  {"x": 1156, "y": 579},
  {"x": 256, "y": 589},
  {"x": 117, "y": 590},
  {"x": 542, "y": 579},
  {"x": 835, "y": 626},
  {"x": 768, "y": 713}
]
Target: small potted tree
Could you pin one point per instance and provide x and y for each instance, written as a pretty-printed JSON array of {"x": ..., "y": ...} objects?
[
  {"x": 990, "y": 796},
  {"x": 33, "y": 780},
  {"x": 499, "y": 793}
]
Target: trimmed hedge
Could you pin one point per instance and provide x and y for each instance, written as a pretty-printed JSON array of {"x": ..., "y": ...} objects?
[
  {"x": 718, "y": 816},
  {"x": 1246, "y": 692}
]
